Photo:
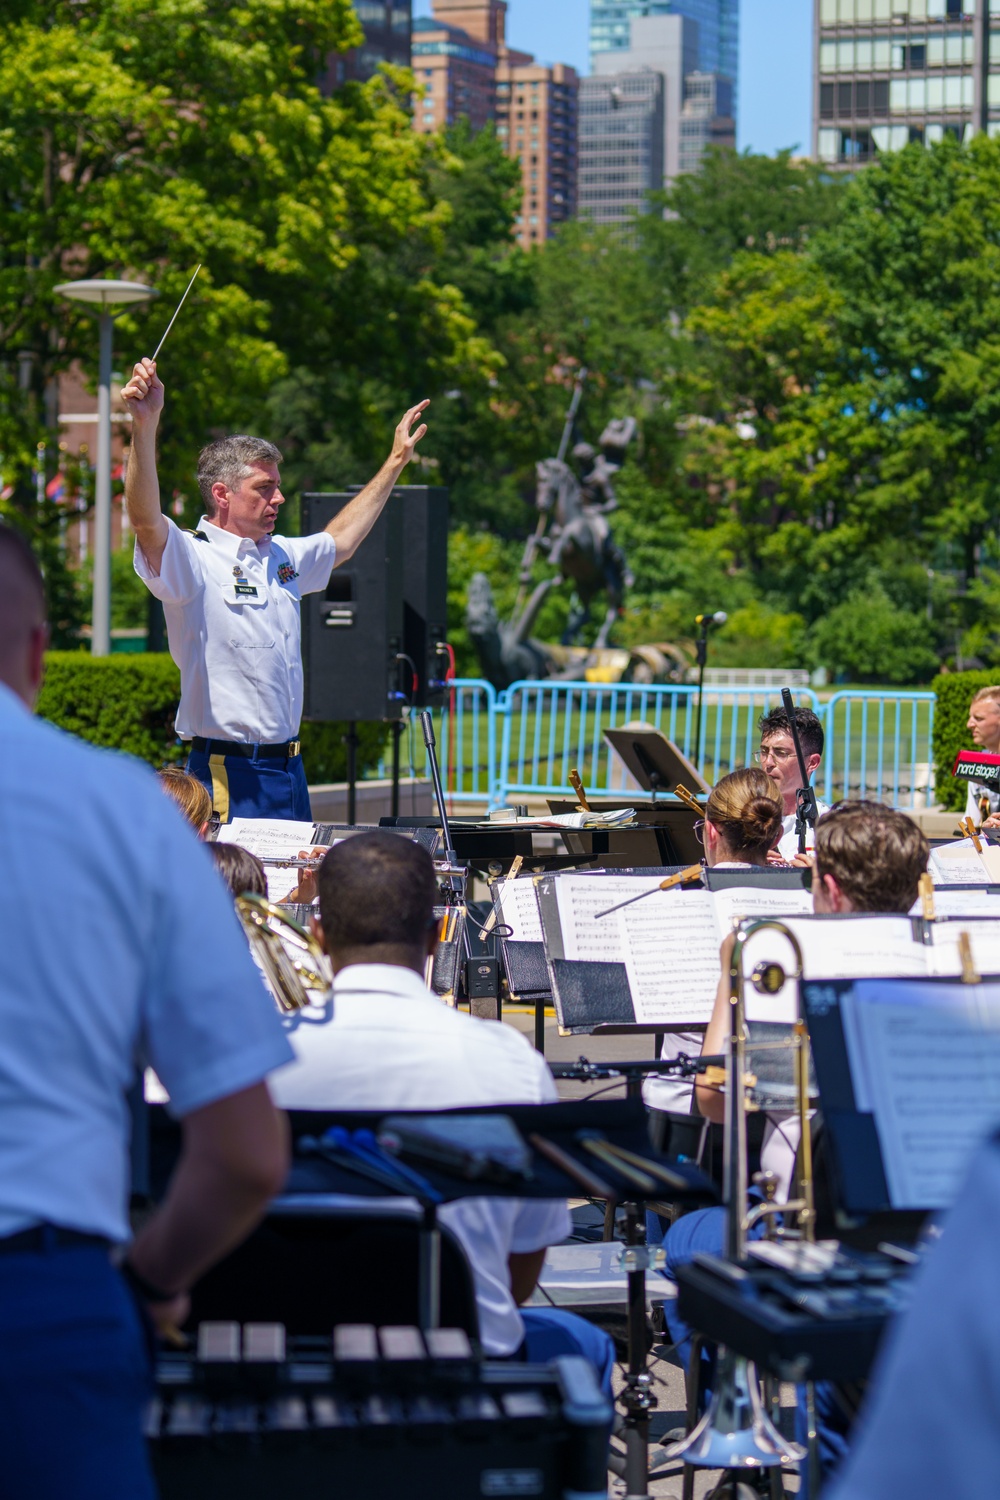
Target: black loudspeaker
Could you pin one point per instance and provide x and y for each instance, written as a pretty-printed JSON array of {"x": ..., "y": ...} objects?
[
  {"x": 390, "y": 601},
  {"x": 353, "y": 633},
  {"x": 423, "y": 510}
]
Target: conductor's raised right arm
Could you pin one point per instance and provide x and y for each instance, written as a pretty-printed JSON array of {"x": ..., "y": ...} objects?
[{"x": 143, "y": 397}]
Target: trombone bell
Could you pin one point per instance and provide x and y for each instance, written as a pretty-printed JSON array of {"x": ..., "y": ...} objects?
[{"x": 735, "y": 1432}]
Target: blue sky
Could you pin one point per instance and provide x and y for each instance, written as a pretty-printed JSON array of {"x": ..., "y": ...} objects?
[{"x": 775, "y": 60}]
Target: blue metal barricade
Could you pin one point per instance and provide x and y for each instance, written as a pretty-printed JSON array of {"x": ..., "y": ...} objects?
[
  {"x": 878, "y": 745},
  {"x": 499, "y": 748},
  {"x": 550, "y": 728},
  {"x": 467, "y": 741}
]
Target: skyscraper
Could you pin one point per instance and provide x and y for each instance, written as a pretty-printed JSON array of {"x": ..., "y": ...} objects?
[
  {"x": 620, "y": 150},
  {"x": 697, "y": 106},
  {"x": 462, "y": 58},
  {"x": 718, "y": 28},
  {"x": 386, "y": 25},
  {"x": 887, "y": 72}
]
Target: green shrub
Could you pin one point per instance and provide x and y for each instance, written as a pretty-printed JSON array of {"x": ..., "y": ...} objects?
[
  {"x": 128, "y": 701},
  {"x": 955, "y": 691}
]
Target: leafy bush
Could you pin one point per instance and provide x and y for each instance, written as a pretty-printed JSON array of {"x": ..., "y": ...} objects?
[
  {"x": 955, "y": 691},
  {"x": 129, "y": 701},
  {"x": 868, "y": 639},
  {"x": 125, "y": 701},
  {"x": 758, "y": 636}
]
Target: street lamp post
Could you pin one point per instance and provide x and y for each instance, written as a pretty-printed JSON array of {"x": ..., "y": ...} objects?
[{"x": 105, "y": 294}]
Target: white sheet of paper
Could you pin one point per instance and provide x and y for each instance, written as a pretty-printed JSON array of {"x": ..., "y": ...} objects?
[
  {"x": 519, "y": 910},
  {"x": 984, "y": 936},
  {"x": 929, "y": 1069},
  {"x": 959, "y": 864},
  {"x": 950, "y": 901},
  {"x": 271, "y": 838},
  {"x": 671, "y": 945}
]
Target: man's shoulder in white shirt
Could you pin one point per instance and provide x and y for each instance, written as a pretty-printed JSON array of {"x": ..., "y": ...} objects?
[{"x": 389, "y": 1039}]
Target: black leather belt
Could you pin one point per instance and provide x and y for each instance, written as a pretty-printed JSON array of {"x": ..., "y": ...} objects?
[
  {"x": 48, "y": 1237},
  {"x": 285, "y": 751}
]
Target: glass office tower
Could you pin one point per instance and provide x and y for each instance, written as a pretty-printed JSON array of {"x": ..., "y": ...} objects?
[
  {"x": 718, "y": 28},
  {"x": 887, "y": 72}
]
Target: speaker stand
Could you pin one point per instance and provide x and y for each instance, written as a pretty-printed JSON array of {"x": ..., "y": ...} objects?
[
  {"x": 351, "y": 741},
  {"x": 397, "y": 735}
]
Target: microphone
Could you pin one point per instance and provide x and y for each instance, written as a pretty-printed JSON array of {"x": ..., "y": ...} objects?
[{"x": 719, "y": 618}]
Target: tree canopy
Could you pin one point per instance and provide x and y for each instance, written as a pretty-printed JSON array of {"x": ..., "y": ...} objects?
[{"x": 812, "y": 359}]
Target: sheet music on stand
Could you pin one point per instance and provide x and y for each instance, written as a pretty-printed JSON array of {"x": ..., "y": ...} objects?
[
  {"x": 909, "y": 1075},
  {"x": 654, "y": 964},
  {"x": 960, "y": 863},
  {"x": 268, "y": 839},
  {"x": 519, "y": 926}
]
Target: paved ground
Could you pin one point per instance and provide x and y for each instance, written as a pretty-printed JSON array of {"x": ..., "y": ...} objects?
[{"x": 668, "y": 1379}]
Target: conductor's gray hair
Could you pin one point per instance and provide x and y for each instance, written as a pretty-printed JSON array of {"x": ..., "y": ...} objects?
[{"x": 229, "y": 461}]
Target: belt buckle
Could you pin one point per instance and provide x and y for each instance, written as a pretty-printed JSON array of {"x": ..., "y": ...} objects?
[{"x": 294, "y": 748}]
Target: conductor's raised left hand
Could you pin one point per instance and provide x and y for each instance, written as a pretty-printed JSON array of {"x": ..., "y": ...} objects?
[{"x": 405, "y": 442}]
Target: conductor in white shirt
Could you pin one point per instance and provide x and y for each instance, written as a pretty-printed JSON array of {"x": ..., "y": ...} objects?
[
  {"x": 231, "y": 591},
  {"x": 134, "y": 955},
  {"x": 389, "y": 1043}
]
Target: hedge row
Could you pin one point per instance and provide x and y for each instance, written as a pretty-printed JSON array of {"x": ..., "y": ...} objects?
[
  {"x": 128, "y": 701},
  {"x": 955, "y": 691}
]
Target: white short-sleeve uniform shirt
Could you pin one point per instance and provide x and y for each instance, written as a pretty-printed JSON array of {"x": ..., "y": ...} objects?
[
  {"x": 126, "y": 951},
  {"x": 788, "y": 844},
  {"x": 232, "y": 609},
  {"x": 387, "y": 1042}
]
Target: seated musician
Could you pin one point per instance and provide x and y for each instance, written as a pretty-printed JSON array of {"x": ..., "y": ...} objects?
[
  {"x": 190, "y": 796},
  {"x": 777, "y": 757},
  {"x": 390, "y": 1043},
  {"x": 869, "y": 858},
  {"x": 983, "y": 802},
  {"x": 742, "y": 821}
]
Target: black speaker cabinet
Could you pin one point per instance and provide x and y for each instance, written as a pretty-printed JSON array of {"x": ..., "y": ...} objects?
[
  {"x": 353, "y": 633},
  {"x": 389, "y": 601},
  {"x": 423, "y": 510}
]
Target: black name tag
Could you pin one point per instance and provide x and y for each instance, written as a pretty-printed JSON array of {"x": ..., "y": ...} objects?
[{"x": 246, "y": 590}]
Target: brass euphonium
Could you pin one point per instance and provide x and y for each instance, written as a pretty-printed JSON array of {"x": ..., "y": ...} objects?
[
  {"x": 736, "y": 1432},
  {"x": 294, "y": 964}
]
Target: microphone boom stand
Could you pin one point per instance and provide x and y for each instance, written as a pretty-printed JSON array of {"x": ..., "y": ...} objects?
[{"x": 806, "y": 811}]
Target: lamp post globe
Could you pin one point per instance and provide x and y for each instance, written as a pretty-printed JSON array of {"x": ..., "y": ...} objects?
[{"x": 104, "y": 295}]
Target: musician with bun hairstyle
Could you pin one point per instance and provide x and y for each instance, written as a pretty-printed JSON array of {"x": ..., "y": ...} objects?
[
  {"x": 742, "y": 819},
  {"x": 742, "y": 822}
]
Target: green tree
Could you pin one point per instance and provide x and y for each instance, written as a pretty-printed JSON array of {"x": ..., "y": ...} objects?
[{"x": 136, "y": 140}]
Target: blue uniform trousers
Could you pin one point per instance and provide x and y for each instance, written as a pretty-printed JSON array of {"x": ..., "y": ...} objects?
[
  {"x": 704, "y": 1230},
  {"x": 253, "y": 787},
  {"x": 552, "y": 1331},
  {"x": 74, "y": 1377}
]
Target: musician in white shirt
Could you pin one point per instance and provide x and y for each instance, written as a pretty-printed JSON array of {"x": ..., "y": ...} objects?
[
  {"x": 984, "y": 724},
  {"x": 388, "y": 1042},
  {"x": 777, "y": 757}
]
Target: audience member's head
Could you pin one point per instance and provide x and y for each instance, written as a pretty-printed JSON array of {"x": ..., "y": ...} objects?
[
  {"x": 23, "y": 630},
  {"x": 189, "y": 794},
  {"x": 742, "y": 818},
  {"x": 376, "y": 901},
  {"x": 777, "y": 748},
  {"x": 984, "y": 719},
  {"x": 241, "y": 870},
  {"x": 869, "y": 857}
]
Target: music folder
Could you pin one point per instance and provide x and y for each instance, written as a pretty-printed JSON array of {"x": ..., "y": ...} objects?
[{"x": 909, "y": 1079}]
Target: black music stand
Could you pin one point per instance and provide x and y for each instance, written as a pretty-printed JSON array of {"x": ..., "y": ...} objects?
[{"x": 653, "y": 761}]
